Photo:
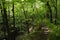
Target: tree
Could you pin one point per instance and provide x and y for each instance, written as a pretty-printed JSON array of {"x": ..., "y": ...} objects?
[
  {"x": 5, "y": 19},
  {"x": 50, "y": 11}
]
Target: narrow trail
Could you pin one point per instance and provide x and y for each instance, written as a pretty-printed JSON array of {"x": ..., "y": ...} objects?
[
  {"x": 43, "y": 35},
  {"x": 44, "y": 31}
]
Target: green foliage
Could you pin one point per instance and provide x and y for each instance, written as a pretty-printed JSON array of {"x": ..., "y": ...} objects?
[{"x": 31, "y": 13}]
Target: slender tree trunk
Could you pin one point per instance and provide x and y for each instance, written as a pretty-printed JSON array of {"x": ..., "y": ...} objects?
[
  {"x": 55, "y": 10},
  {"x": 50, "y": 10},
  {"x": 56, "y": 13},
  {"x": 13, "y": 35},
  {"x": 13, "y": 15},
  {"x": 5, "y": 20},
  {"x": 4, "y": 27}
]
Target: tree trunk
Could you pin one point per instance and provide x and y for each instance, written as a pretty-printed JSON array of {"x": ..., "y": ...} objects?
[
  {"x": 13, "y": 34},
  {"x": 13, "y": 15},
  {"x": 5, "y": 20},
  {"x": 50, "y": 10},
  {"x": 56, "y": 13}
]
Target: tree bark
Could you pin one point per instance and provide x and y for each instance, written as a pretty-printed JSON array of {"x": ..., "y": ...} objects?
[
  {"x": 56, "y": 13},
  {"x": 13, "y": 15},
  {"x": 50, "y": 10},
  {"x": 13, "y": 34},
  {"x": 5, "y": 20}
]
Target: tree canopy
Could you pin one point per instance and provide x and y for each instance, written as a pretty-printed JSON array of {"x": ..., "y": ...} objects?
[{"x": 30, "y": 19}]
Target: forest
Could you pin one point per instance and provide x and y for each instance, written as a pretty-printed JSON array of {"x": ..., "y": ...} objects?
[{"x": 29, "y": 19}]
